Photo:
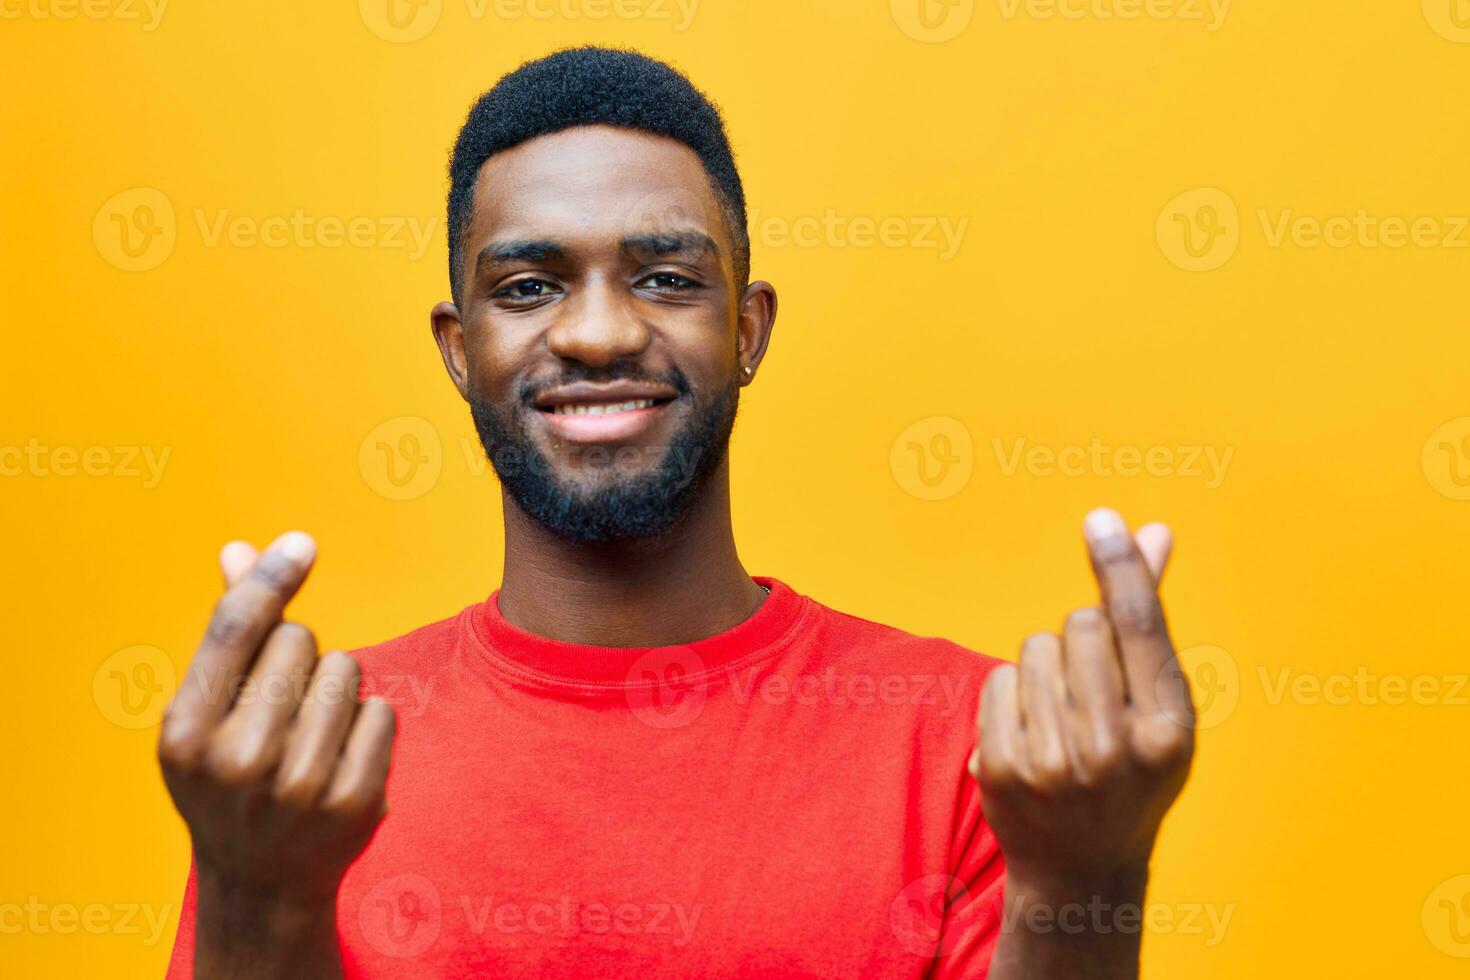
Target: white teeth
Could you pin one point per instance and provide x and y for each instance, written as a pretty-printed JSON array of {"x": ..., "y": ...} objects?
[{"x": 602, "y": 408}]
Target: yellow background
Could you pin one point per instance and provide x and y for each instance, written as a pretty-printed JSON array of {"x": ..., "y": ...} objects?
[{"x": 1332, "y": 547}]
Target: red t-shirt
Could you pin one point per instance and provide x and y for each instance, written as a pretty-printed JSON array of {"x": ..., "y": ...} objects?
[{"x": 786, "y": 798}]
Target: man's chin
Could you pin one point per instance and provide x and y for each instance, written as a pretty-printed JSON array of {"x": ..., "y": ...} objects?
[
  {"x": 607, "y": 492},
  {"x": 578, "y": 491},
  {"x": 602, "y": 467},
  {"x": 615, "y": 512}
]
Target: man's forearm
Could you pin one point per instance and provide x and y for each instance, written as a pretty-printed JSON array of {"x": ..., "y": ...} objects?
[
  {"x": 1071, "y": 930},
  {"x": 242, "y": 936}
]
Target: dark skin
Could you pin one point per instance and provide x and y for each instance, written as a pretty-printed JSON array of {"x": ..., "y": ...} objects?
[
  {"x": 599, "y": 299},
  {"x": 1082, "y": 747}
]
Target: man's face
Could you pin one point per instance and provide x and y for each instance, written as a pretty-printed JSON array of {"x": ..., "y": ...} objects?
[{"x": 599, "y": 340}]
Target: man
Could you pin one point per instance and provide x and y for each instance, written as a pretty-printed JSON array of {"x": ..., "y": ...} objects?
[{"x": 635, "y": 759}]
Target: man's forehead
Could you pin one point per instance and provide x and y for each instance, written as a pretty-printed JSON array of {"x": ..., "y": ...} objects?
[{"x": 593, "y": 178}]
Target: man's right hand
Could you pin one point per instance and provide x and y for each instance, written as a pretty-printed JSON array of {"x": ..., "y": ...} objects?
[{"x": 278, "y": 770}]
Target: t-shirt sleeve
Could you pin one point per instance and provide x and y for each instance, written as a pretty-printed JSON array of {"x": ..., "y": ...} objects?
[
  {"x": 974, "y": 903},
  {"x": 181, "y": 963}
]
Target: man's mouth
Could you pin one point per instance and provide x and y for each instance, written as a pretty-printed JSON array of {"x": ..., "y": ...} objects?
[
  {"x": 588, "y": 413},
  {"x": 601, "y": 408}
]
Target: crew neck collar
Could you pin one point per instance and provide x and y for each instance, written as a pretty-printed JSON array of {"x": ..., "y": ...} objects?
[{"x": 579, "y": 665}]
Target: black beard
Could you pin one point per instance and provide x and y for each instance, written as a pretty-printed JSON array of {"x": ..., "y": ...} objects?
[{"x": 641, "y": 506}]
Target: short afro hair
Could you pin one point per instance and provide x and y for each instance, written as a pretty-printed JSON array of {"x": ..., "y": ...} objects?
[{"x": 591, "y": 86}]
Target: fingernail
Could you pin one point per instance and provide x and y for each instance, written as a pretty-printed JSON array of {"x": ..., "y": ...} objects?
[
  {"x": 1103, "y": 524},
  {"x": 296, "y": 545}
]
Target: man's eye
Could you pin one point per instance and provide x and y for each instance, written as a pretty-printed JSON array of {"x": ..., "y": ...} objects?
[
  {"x": 526, "y": 289},
  {"x": 668, "y": 280}
]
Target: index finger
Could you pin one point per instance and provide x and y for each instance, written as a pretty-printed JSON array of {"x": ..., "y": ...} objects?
[
  {"x": 242, "y": 618},
  {"x": 1131, "y": 599}
]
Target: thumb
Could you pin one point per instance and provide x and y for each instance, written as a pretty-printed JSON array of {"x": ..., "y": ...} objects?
[
  {"x": 1156, "y": 542},
  {"x": 235, "y": 559}
]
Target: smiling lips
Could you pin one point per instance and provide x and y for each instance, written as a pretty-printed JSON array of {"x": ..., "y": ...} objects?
[
  {"x": 602, "y": 408},
  {"x": 588, "y": 413}
]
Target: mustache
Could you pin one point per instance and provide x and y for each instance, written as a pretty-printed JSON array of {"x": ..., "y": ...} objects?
[{"x": 528, "y": 390}]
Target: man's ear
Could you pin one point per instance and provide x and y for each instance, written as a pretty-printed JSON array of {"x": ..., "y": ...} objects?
[
  {"x": 449, "y": 335},
  {"x": 756, "y": 318}
]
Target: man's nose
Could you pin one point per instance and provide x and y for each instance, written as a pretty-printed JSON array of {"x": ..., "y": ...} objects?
[{"x": 598, "y": 327}]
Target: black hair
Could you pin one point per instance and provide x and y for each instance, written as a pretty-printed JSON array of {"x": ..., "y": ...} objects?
[{"x": 585, "y": 87}]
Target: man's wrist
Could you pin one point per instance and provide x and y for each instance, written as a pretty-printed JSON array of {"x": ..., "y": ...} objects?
[
  {"x": 1071, "y": 925},
  {"x": 245, "y": 929},
  {"x": 1118, "y": 885}
]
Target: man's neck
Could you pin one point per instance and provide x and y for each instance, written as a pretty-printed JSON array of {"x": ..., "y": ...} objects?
[{"x": 682, "y": 586}]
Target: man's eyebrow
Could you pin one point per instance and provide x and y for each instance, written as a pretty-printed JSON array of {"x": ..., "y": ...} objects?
[
  {"x": 526, "y": 250},
  {"x": 672, "y": 243}
]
